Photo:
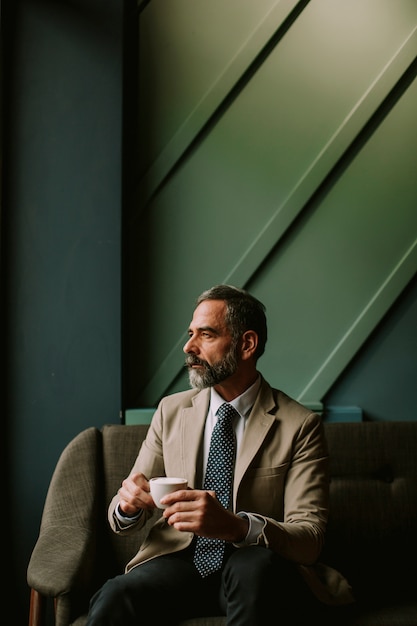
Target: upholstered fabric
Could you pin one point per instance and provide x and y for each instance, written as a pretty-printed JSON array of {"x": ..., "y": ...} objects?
[{"x": 372, "y": 525}]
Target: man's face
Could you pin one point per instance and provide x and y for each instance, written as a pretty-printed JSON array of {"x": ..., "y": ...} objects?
[{"x": 211, "y": 353}]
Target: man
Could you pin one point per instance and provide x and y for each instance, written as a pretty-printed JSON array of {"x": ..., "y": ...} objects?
[{"x": 270, "y": 531}]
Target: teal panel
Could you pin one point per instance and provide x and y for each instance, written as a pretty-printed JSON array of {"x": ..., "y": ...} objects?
[
  {"x": 139, "y": 416},
  {"x": 343, "y": 414}
]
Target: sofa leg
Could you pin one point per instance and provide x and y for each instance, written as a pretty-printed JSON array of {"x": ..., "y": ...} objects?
[{"x": 37, "y": 609}]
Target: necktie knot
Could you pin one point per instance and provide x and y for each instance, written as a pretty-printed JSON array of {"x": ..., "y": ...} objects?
[{"x": 226, "y": 412}]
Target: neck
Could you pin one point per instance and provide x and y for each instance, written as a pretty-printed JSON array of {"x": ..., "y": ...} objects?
[{"x": 234, "y": 386}]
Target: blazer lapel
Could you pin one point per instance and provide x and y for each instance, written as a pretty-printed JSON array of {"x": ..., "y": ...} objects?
[
  {"x": 193, "y": 420},
  {"x": 258, "y": 424}
]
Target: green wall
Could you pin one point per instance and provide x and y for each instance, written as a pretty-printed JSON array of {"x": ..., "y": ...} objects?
[{"x": 278, "y": 151}]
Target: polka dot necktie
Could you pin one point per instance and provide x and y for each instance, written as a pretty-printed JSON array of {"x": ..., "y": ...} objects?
[{"x": 208, "y": 555}]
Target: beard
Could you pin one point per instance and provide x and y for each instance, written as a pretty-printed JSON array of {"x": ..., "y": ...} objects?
[{"x": 211, "y": 375}]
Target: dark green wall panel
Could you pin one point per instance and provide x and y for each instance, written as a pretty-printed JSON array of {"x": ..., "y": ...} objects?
[
  {"x": 61, "y": 247},
  {"x": 277, "y": 168}
]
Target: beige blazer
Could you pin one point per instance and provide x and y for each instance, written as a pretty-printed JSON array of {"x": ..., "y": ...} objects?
[{"x": 281, "y": 475}]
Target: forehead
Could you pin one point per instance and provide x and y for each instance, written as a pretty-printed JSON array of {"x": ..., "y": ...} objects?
[{"x": 210, "y": 314}]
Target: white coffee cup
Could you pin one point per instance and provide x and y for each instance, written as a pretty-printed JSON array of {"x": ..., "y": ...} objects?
[{"x": 160, "y": 486}]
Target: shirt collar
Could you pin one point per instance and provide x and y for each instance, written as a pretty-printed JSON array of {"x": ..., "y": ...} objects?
[{"x": 243, "y": 403}]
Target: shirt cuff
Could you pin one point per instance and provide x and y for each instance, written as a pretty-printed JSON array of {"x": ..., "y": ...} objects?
[
  {"x": 256, "y": 526},
  {"x": 127, "y": 520}
]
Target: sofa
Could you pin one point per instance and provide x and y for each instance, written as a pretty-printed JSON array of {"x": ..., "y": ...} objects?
[{"x": 371, "y": 534}]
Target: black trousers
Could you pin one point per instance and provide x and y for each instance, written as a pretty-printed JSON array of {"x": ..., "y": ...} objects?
[{"x": 254, "y": 584}]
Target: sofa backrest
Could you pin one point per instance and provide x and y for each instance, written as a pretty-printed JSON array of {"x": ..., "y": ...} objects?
[{"x": 373, "y": 504}]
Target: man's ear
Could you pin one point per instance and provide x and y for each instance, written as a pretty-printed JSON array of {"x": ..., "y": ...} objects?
[{"x": 249, "y": 344}]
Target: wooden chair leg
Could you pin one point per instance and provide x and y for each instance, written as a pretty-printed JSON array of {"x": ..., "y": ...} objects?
[{"x": 37, "y": 608}]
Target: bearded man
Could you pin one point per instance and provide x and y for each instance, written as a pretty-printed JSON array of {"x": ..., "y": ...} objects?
[{"x": 244, "y": 539}]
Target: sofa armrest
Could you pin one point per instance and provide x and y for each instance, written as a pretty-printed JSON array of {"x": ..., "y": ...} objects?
[
  {"x": 64, "y": 555},
  {"x": 58, "y": 559}
]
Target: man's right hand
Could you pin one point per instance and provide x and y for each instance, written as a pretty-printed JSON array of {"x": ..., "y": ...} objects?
[{"x": 134, "y": 495}]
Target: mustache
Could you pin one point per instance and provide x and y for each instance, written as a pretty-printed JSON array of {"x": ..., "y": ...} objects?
[{"x": 194, "y": 360}]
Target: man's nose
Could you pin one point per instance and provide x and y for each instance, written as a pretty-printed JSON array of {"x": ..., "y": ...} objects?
[{"x": 188, "y": 346}]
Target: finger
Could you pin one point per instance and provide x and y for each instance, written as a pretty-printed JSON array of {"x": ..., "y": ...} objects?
[{"x": 182, "y": 495}]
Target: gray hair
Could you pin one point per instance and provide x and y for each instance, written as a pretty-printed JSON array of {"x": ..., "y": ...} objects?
[{"x": 243, "y": 312}]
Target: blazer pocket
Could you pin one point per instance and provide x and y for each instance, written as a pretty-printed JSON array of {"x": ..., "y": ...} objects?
[
  {"x": 261, "y": 491},
  {"x": 260, "y": 472}
]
